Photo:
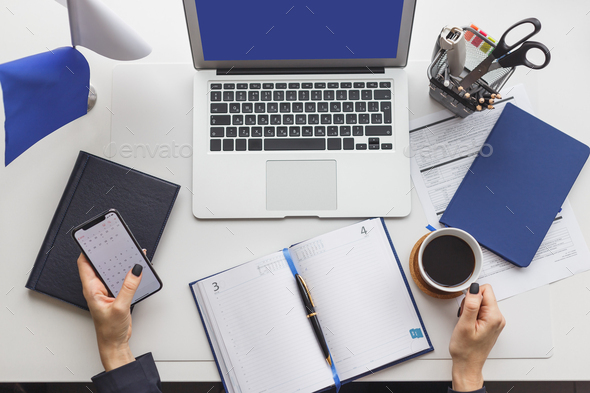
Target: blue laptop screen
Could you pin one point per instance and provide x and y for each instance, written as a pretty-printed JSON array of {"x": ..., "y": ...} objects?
[{"x": 278, "y": 30}]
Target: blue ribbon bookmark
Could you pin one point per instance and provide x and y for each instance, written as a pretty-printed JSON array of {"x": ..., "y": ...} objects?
[{"x": 332, "y": 366}]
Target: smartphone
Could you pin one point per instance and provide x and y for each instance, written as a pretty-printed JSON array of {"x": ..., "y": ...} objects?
[{"x": 112, "y": 251}]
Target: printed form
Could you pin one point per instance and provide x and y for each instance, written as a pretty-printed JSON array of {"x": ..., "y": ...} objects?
[{"x": 442, "y": 148}]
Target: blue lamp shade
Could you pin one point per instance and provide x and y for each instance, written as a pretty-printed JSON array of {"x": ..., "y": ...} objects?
[{"x": 42, "y": 93}]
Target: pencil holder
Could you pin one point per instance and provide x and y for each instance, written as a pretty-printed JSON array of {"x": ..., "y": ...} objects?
[{"x": 445, "y": 88}]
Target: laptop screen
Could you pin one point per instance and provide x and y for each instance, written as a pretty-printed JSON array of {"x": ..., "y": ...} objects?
[{"x": 276, "y": 30}]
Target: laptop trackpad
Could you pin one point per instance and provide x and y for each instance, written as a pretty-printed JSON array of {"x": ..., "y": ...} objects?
[{"x": 301, "y": 185}]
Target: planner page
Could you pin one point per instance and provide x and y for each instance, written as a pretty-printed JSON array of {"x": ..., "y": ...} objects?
[
  {"x": 362, "y": 301},
  {"x": 261, "y": 336}
]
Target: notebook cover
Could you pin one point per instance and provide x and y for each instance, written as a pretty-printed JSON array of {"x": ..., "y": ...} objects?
[
  {"x": 363, "y": 374},
  {"x": 96, "y": 185},
  {"x": 508, "y": 199}
]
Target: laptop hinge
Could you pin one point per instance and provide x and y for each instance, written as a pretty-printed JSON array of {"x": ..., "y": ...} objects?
[{"x": 286, "y": 71}]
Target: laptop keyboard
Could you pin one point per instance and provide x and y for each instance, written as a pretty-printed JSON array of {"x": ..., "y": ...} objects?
[{"x": 272, "y": 116}]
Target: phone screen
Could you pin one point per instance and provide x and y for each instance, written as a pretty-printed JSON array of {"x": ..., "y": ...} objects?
[{"x": 113, "y": 253}]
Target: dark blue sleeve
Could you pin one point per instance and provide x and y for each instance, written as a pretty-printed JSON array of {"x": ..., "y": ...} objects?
[
  {"x": 482, "y": 390},
  {"x": 140, "y": 376}
]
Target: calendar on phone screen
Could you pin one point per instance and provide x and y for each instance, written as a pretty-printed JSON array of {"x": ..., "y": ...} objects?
[{"x": 113, "y": 253}]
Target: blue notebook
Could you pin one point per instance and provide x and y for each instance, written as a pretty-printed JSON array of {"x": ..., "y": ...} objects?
[{"x": 515, "y": 188}]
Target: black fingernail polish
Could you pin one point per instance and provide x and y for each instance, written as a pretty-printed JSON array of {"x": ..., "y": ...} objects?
[
  {"x": 137, "y": 270},
  {"x": 474, "y": 288},
  {"x": 459, "y": 312}
]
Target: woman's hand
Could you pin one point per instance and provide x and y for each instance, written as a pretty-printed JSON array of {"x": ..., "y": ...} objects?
[
  {"x": 112, "y": 316},
  {"x": 479, "y": 326}
]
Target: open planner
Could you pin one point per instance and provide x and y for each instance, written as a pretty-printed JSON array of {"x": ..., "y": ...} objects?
[{"x": 261, "y": 338}]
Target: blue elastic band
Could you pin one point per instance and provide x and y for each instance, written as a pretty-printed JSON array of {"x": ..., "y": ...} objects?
[
  {"x": 430, "y": 227},
  {"x": 294, "y": 271}
]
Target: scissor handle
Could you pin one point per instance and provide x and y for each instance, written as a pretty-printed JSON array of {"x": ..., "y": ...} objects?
[
  {"x": 502, "y": 48},
  {"x": 518, "y": 57}
]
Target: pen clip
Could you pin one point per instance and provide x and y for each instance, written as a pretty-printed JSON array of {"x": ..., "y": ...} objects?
[{"x": 306, "y": 289}]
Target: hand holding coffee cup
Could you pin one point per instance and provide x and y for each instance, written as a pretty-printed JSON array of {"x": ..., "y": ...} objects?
[{"x": 450, "y": 260}]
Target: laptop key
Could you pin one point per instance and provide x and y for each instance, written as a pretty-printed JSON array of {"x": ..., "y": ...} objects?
[
  {"x": 308, "y": 85},
  {"x": 328, "y": 95},
  {"x": 255, "y": 144},
  {"x": 335, "y": 107},
  {"x": 244, "y": 132},
  {"x": 228, "y": 96},
  {"x": 367, "y": 94},
  {"x": 281, "y": 86},
  {"x": 385, "y": 85},
  {"x": 269, "y": 131},
  {"x": 382, "y": 94},
  {"x": 251, "y": 120},
  {"x": 295, "y": 144},
  {"x": 233, "y": 108},
  {"x": 371, "y": 85},
  {"x": 306, "y": 131},
  {"x": 351, "y": 118},
  {"x": 361, "y": 146},
  {"x": 268, "y": 85},
  {"x": 260, "y": 107},
  {"x": 215, "y": 86},
  {"x": 285, "y": 107},
  {"x": 282, "y": 131},
  {"x": 266, "y": 95},
  {"x": 242, "y": 86},
  {"x": 228, "y": 145},
  {"x": 376, "y": 118},
  {"x": 332, "y": 131},
  {"x": 298, "y": 107},
  {"x": 247, "y": 107},
  {"x": 272, "y": 107},
  {"x": 346, "y": 85},
  {"x": 231, "y": 132},
  {"x": 341, "y": 95},
  {"x": 333, "y": 85},
  {"x": 216, "y": 132},
  {"x": 316, "y": 95},
  {"x": 320, "y": 131},
  {"x": 320, "y": 85},
  {"x": 275, "y": 119},
  {"x": 360, "y": 106},
  {"x": 359, "y": 85},
  {"x": 263, "y": 120},
  {"x": 322, "y": 107},
  {"x": 291, "y": 95},
  {"x": 377, "y": 130},
  {"x": 364, "y": 118},
  {"x": 353, "y": 95},
  {"x": 278, "y": 95},
  {"x": 237, "y": 120},
  {"x": 253, "y": 95},
  {"x": 344, "y": 130},
  {"x": 373, "y": 147},
  {"x": 254, "y": 85},
  {"x": 287, "y": 119},
  {"x": 219, "y": 108},
  {"x": 313, "y": 119},
  {"x": 334, "y": 144},
  {"x": 347, "y": 107},
  {"x": 294, "y": 85},
  {"x": 386, "y": 109},
  {"x": 303, "y": 95},
  {"x": 339, "y": 118},
  {"x": 215, "y": 145},
  {"x": 386, "y": 146},
  {"x": 294, "y": 131},
  {"x": 357, "y": 130},
  {"x": 300, "y": 119},
  {"x": 215, "y": 96},
  {"x": 241, "y": 95},
  {"x": 309, "y": 107},
  {"x": 220, "y": 120},
  {"x": 326, "y": 119},
  {"x": 240, "y": 144},
  {"x": 348, "y": 143},
  {"x": 229, "y": 86},
  {"x": 373, "y": 106},
  {"x": 256, "y": 132}
]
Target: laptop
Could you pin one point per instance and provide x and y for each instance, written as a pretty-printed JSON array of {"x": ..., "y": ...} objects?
[{"x": 300, "y": 108}]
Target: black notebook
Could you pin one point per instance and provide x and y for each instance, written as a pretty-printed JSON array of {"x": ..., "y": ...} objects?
[{"x": 96, "y": 185}]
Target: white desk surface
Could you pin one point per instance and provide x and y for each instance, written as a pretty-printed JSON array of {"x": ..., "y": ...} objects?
[{"x": 43, "y": 339}]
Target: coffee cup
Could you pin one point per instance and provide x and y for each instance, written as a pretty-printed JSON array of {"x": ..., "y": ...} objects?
[{"x": 450, "y": 260}]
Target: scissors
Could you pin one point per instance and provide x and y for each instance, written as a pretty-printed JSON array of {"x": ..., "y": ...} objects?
[{"x": 508, "y": 56}]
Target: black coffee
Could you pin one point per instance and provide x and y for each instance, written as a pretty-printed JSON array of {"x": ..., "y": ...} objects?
[{"x": 448, "y": 261}]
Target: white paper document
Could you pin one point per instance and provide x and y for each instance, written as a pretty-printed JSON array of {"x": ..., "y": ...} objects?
[{"x": 442, "y": 148}]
